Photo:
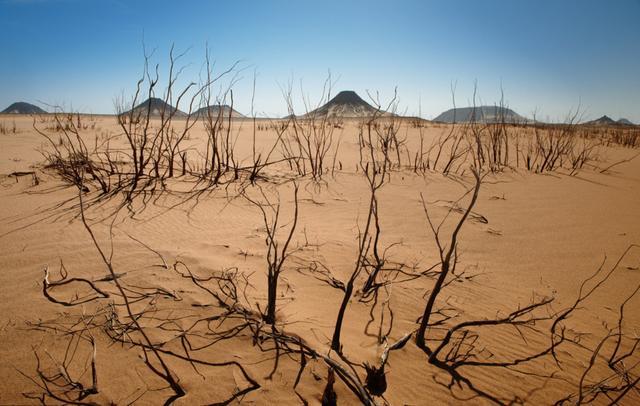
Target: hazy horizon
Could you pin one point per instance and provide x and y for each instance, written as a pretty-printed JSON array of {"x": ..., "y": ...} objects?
[{"x": 548, "y": 57}]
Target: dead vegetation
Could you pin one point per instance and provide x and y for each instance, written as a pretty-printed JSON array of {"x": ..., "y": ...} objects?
[
  {"x": 113, "y": 310},
  {"x": 309, "y": 137},
  {"x": 8, "y": 129},
  {"x": 132, "y": 315}
]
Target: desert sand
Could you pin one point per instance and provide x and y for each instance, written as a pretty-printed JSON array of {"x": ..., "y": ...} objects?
[{"x": 530, "y": 236}]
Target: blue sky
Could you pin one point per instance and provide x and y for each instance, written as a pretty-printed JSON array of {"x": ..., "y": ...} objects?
[{"x": 548, "y": 56}]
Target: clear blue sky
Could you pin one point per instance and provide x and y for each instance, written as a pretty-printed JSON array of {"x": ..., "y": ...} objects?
[{"x": 549, "y": 56}]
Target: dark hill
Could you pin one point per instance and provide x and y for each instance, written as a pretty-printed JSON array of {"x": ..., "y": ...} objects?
[
  {"x": 487, "y": 114},
  {"x": 156, "y": 107},
  {"x": 23, "y": 108},
  {"x": 624, "y": 121},
  {"x": 345, "y": 104},
  {"x": 216, "y": 109},
  {"x": 606, "y": 120}
]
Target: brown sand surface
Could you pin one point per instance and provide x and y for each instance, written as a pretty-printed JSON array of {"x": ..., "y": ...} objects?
[{"x": 545, "y": 233}]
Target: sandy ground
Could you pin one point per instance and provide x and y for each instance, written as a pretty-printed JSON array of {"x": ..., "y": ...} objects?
[{"x": 545, "y": 234}]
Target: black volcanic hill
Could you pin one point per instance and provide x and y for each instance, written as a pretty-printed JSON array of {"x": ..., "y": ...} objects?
[
  {"x": 487, "y": 114},
  {"x": 155, "y": 107},
  {"x": 216, "y": 109},
  {"x": 345, "y": 104},
  {"x": 23, "y": 108},
  {"x": 606, "y": 120}
]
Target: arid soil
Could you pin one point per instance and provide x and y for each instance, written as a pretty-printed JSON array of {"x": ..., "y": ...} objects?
[{"x": 530, "y": 236}]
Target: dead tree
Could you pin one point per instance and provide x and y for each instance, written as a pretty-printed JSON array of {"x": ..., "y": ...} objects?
[
  {"x": 154, "y": 147},
  {"x": 448, "y": 260},
  {"x": 71, "y": 158},
  {"x": 56, "y": 378},
  {"x": 456, "y": 348},
  {"x": 276, "y": 254},
  {"x": 375, "y": 169},
  {"x": 309, "y": 137}
]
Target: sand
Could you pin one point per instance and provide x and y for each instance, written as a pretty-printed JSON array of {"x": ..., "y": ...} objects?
[{"x": 544, "y": 234}]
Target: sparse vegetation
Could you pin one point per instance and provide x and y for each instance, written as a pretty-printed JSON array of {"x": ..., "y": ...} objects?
[
  {"x": 188, "y": 334},
  {"x": 6, "y": 129}
]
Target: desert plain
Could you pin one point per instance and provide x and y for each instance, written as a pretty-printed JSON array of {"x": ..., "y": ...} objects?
[{"x": 192, "y": 256}]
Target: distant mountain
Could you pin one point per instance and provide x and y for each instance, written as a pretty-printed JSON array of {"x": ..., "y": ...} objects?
[
  {"x": 604, "y": 120},
  {"x": 624, "y": 121},
  {"x": 345, "y": 104},
  {"x": 155, "y": 107},
  {"x": 216, "y": 109},
  {"x": 487, "y": 114},
  {"x": 23, "y": 108}
]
